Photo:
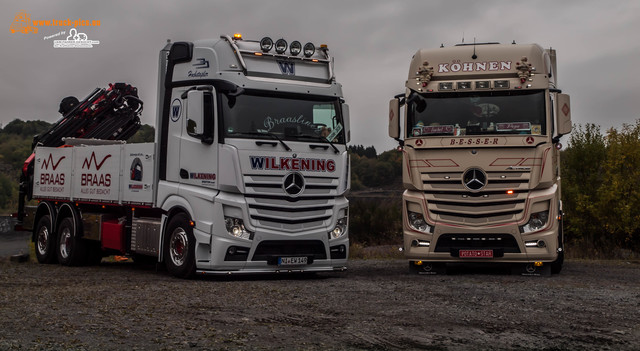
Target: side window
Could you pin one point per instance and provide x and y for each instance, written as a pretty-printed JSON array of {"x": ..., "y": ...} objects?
[
  {"x": 324, "y": 118},
  {"x": 200, "y": 107}
]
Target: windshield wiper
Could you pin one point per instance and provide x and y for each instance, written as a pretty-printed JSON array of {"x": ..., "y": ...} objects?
[
  {"x": 286, "y": 147},
  {"x": 317, "y": 137}
]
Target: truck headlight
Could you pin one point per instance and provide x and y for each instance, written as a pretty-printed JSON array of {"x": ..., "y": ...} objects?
[
  {"x": 235, "y": 227},
  {"x": 417, "y": 222},
  {"x": 536, "y": 222},
  {"x": 340, "y": 229}
]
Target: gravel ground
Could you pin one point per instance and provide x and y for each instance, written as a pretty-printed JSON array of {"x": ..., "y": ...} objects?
[{"x": 374, "y": 305}]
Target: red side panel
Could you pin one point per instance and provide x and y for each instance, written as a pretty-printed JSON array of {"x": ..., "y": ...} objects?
[{"x": 113, "y": 235}]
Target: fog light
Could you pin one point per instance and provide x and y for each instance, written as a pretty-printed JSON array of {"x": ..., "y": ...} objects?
[{"x": 420, "y": 243}]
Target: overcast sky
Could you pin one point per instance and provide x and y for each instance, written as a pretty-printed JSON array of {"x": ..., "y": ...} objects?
[{"x": 372, "y": 42}]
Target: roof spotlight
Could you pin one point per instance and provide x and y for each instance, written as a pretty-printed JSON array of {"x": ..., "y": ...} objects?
[
  {"x": 295, "y": 48},
  {"x": 266, "y": 44},
  {"x": 309, "y": 49},
  {"x": 281, "y": 46}
]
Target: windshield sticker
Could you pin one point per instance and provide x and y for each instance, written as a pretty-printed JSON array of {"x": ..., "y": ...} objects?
[
  {"x": 271, "y": 122},
  {"x": 430, "y": 130},
  {"x": 520, "y": 126},
  {"x": 271, "y": 163},
  {"x": 335, "y": 132},
  {"x": 536, "y": 129}
]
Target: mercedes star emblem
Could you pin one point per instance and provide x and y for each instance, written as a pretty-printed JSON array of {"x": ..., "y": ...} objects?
[
  {"x": 474, "y": 179},
  {"x": 293, "y": 184}
]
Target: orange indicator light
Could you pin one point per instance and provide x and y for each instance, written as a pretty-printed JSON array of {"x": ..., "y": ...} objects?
[{"x": 510, "y": 192}]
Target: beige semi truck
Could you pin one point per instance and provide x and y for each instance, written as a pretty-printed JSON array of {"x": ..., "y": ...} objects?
[{"x": 481, "y": 169}]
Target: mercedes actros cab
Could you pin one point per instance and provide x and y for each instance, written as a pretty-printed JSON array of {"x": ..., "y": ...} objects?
[{"x": 481, "y": 141}]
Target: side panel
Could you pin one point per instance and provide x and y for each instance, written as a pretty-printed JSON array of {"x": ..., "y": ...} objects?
[
  {"x": 96, "y": 175},
  {"x": 138, "y": 168},
  {"x": 52, "y": 173}
]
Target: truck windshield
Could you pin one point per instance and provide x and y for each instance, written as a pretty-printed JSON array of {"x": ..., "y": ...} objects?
[
  {"x": 289, "y": 117},
  {"x": 505, "y": 112}
]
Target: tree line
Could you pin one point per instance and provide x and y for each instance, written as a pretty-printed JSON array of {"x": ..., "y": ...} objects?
[{"x": 600, "y": 187}]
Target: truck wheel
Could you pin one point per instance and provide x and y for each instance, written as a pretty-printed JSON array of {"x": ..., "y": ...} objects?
[
  {"x": 45, "y": 241},
  {"x": 179, "y": 247},
  {"x": 556, "y": 266},
  {"x": 71, "y": 249}
]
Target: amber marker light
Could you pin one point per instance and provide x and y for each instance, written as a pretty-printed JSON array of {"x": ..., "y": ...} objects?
[
  {"x": 237, "y": 36},
  {"x": 537, "y": 264},
  {"x": 257, "y": 53},
  {"x": 192, "y": 223},
  {"x": 509, "y": 192}
]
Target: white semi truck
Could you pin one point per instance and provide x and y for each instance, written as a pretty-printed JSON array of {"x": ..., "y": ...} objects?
[
  {"x": 481, "y": 166},
  {"x": 248, "y": 173}
]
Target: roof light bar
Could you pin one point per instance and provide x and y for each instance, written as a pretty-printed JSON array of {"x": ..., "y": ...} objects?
[
  {"x": 266, "y": 44},
  {"x": 295, "y": 48},
  {"x": 309, "y": 49},
  {"x": 281, "y": 46}
]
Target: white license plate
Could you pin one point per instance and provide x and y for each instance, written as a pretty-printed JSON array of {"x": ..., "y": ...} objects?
[{"x": 291, "y": 261}]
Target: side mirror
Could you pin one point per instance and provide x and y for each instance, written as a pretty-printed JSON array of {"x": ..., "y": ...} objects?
[
  {"x": 394, "y": 119},
  {"x": 200, "y": 114},
  {"x": 347, "y": 123},
  {"x": 563, "y": 114}
]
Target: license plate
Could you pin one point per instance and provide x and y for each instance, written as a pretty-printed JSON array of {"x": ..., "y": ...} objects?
[
  {"x": 476, "y": 253},
  {"x": 291, "y": 261}
]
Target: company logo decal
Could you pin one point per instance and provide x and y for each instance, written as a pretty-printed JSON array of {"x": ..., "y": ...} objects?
[
  {"x": 51, "y": 182},
  {"x": 293, "y": 184},
  {"x": 136, "y": 170},
  {"x": 49, "y": 161},
  {"x": 474, "y": 179},
  {"x": 176, "y": 110},
  {"x": 287, "y": 68},
  {"x": 92, "y": 159},
  {"x": 93, "y": 180},
  {"x": 457, "y": 66},
  {"x": 292, "y": 164},
  {"x": 75, "y": 40},
  {"x": 201, "y": 63}
]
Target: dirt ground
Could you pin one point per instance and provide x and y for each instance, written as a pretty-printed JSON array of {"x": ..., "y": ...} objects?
[{"x": 375, "y": 305}]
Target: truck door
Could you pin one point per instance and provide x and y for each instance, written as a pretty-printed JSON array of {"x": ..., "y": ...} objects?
[{"x": 198, "y": 141}]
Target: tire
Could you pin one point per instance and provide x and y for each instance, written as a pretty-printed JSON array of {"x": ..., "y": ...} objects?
[
  {"x": 45, "y": 241},
  {"x": 72, "y": 251},
  {"x": 179, "y": 247},
  {"x": 556, "y": 266}
]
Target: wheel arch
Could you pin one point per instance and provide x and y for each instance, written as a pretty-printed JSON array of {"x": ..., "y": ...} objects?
[
  {"x": 173, "y": 206},
  {"x": 44, "y": 208},
  {"x": 66, "y": 210}
]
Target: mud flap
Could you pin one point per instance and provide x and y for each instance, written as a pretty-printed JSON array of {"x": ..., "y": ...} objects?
[
  {"x": 529, "y": 269},
  {"x": 427, "y": 268}
]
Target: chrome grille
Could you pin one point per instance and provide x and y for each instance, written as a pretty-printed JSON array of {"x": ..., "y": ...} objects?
[
  {"x": 271, "y": 207},
  {"x": 450, "y": 201}
]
